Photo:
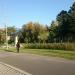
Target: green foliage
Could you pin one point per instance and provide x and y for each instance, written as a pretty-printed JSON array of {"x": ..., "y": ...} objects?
[
  {"x": 10, "y": 41},
  {"x": 53, "y": 31},
  {"x": 11, "y": 30},
  {"x": 34, "y": 32},
  {"x": 55, "y": 46},
  {"x": 2, "y": 36},
  {"x": 64, "y": 24},
  {"x": 66, "y": 27},
  {"x": 61, "y": 30},
  {"x": 72, "y": 21}
]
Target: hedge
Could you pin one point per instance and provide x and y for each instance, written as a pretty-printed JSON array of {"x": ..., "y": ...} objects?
[{"x": 57, "y": 46}]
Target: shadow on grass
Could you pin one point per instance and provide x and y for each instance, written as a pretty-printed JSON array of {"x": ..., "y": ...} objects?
[{"x": 10, "y": 51}]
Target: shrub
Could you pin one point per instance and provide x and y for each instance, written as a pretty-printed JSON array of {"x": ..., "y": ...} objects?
[{"x": 57, "y": 46}]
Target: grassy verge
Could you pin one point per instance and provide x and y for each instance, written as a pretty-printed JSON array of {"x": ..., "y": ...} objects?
[{"x": 46, "y": 52}]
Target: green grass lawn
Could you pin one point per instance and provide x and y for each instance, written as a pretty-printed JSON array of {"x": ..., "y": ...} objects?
[
  {"x": 55, "y": 53},
  {"x": 46, "y": 52}
]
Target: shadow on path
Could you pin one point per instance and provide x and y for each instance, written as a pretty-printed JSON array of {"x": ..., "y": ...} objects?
[{"x": 10, "y": 51}]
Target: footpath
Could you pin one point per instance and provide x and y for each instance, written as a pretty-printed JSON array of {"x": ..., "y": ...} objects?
[{"x": 9, "y": 70}]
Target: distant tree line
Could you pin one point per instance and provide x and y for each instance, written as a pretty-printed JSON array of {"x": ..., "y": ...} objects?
[
  {"x": 60, "y": 30},
  {"x": 10, "y": 31}
]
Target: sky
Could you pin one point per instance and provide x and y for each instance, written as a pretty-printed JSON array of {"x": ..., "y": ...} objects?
[{"x": 19, "y": 12}]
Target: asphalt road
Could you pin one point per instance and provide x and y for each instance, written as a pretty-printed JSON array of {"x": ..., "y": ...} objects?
[{"x": 39, "y": 65}]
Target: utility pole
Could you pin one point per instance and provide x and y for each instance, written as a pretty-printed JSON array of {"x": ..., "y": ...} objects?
[{"x": 6, "y": 37}]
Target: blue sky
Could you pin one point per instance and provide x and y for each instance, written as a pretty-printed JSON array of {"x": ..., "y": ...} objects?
[{"x": 19, "y": 12}]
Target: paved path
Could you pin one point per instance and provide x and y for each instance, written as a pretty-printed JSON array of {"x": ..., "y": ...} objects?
[
  {"x": 9, "y": 70},
  {"x": 39, "y": 65}
]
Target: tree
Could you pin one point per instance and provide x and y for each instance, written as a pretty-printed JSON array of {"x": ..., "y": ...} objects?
[
  {"x": 11, "y": 30},
  {"x": 43, "y": 34},
  {"x": 27, "y": 32},
  {"x": 64, "y": 25},
  {"x": 53, "y": 31},
  {"x": 34, "y": 32},
  {"x": 72, "y": 21},
  {"x": 2, "y": 36}
]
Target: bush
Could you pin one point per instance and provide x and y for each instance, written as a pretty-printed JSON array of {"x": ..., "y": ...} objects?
[{"x": 57, "y": 46}]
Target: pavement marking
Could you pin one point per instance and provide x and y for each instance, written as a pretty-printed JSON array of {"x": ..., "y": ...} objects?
[{"x": 6, "y": 69}]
